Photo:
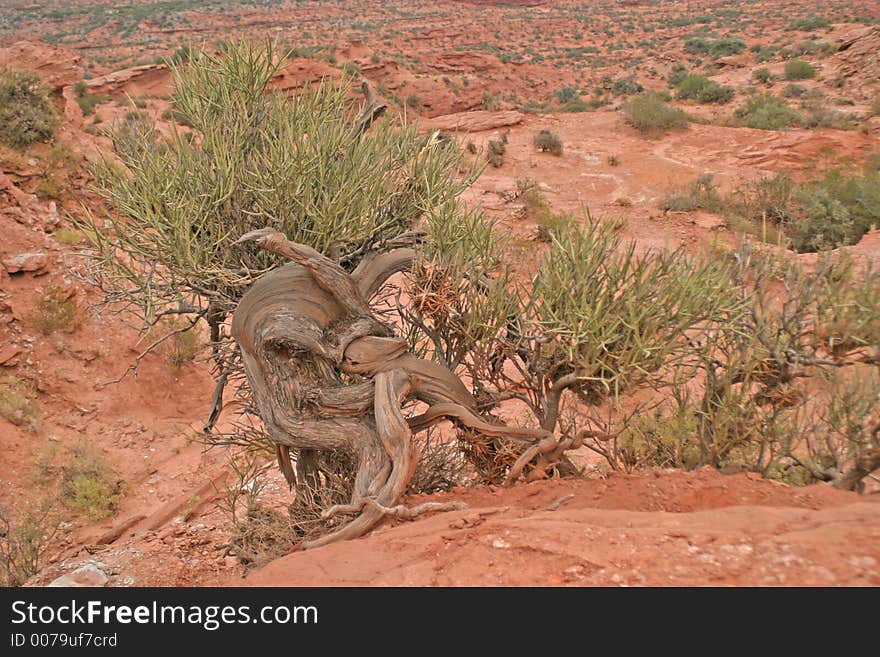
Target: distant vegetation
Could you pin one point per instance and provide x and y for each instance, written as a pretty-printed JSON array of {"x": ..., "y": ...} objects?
[
  {"x": 651, "y": 115},
  {"x": 767, "y": 112},
  {"x": 26, "y": 113}
]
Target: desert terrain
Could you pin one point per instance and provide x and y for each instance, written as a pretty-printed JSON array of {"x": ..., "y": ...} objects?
[{"x": 105, "y": 439}]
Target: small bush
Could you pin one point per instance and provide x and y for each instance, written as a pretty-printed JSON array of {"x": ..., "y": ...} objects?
[
  {"x": 699, "y": 195},
  {"x": 548, "y": 142},
  {"x": 538, "y": 210},
  {"x": 766, "y": 112},
  {"x": 763, "y": 74},
  {"x": 88, "y": 484},
  {"x": 55, "y": 311},
  {"x": 566, "y": 94},
  {"x": 183, "y": 345},
  {"x": 797, "y": 69},
  {"x": 677, "y": 74},
  {"x": 794, "y": 91},
  {"x": 18, "y": 402},
  {"x": 495, "y": 152},
  {"x": 701, "y": 89},
  {"x": 650, "y": 115},
  {"x": 626, "y": 87},
  {"x": 726, "y": 47},
  {"x": 68, "y": 236},
  {"x": 613, "y": 161},
  {"x": 24, "y": 541},
  {"x": 26, "y": 113}
]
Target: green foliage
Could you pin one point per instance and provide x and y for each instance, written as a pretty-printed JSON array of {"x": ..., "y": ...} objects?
[
  {"x": 56, "y": 310},
  {"x": 716, "y": 49},
  {"x": 18, "y": 402},
  {"x": 810, "y": 23},
  {"x": 763, "y": 74},
  {"x": 26, "y": 113},
  {"x": 677, "y": 74},
  {"x": 652, "y": 116},
  {"x": 548, "y": 142},
  {"x": 24, "y": 540},
  {"x": 626, "y": 86},
  {"x": 615, "y": 316},
  {"x": 819, "y": 214},
  {"x": 259, "y": 160},
  {"x": 566, "y": 94},
  {"x": 87, "y": 101},
  {"x": 88, "y": 484},
  {"x": 496, "y": 148},
  {"x": 797, "y": 69},
  {"x": 699, "y": 195},
  {"x": 703, "y": 90},
  {"x": 766, "y": 112}
]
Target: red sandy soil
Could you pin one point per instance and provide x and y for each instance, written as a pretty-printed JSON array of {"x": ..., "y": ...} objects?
[
  {"x": 660, "y": 529},
  {"x": 663, "y": 528}
]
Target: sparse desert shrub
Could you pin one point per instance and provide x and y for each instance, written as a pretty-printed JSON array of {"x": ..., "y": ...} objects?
[
  {"x": 88, "y": 484},
  {"x": 576, "y": 105},
  {"x": 651, "y": 115},
  {"x": 810, "y": 23},
  {"x": 18, "y": 402},
  {"x": 794, "y": 91},
  {"x": 56, "y": 310},
  {"x": 626, "y": 86},
  {"x": 68, "y": 236},
  {"x": 184, "y": 343},
  {"x": 797, "y": 69},
  {"x": 697, "y": 46},
  {"x": 87, "y": 101},
  {"x": 548, "y": 142},
  {"x": 699, "y": 195},
  {"x": 677, "y": 74},
  {"x": 763, "y": 75},
  {"x": 703, "y": 90},
  {"x": 495, "y": 151},
  {"x": 818, "y": 214},
  {"x": 566, "y": 94},
  {"x": 26, "y": 113},
  {"x": 725, "y": 47},
  {"x": 766, "y": 112},
  {"x": 538, "y": 210},
  {"x": 819, "y": 115},
  {"x": 25, "y": 537},
  {"x": 613, "y": 160}
]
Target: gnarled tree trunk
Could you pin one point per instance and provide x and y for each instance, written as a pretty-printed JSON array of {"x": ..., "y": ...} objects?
[{"x": 303, "y": 329}]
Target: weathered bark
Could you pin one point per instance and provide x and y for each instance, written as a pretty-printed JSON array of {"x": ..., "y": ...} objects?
[{"x": 303, "y": 329}]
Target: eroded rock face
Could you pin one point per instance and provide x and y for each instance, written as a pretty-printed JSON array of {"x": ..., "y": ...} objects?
[
  {"x": 475, "y": 121},
  {"x": 56, "y": 66},
  {"x": 36, "y": 262},
  {"x": 858, "y": 55}
]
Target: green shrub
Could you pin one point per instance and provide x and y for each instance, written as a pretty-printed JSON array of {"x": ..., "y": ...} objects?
[
  {"x": 766, "y": 112},
  {"x": 798, "y": 69},
  {"x": 698, "y": 46},
  {"x": 88, "y": 483},
  {"x": 55, "y": 311},
  {"x": 566, "y": 94},
  {"x": 699, "y": 195},
  {"x": 763, "y": 74},
  {"x": 703, "y": 90},
  {"x": 794, "y": 91},
  {"x": 25, "y": 538},
  {"x": 495, "y": 152},
  {"x": 548, "y": 142},
  {"x": 651, "y": 115},
  {"x": 18, "y": 402},
  {"x": 576, "y": 105},
  {"x": 726, "y": 47},
  {"x": 810, "y": 23},
  {"x": 26, "y": 113},
  {"x": 677, "y": 74},
  {"x": 626, "y": 87}
]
